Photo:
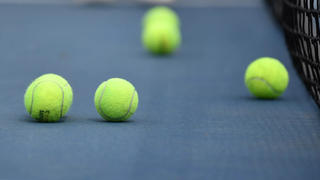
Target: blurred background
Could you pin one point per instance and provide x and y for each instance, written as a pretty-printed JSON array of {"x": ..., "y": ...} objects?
[{"x": 178, "y": 2}]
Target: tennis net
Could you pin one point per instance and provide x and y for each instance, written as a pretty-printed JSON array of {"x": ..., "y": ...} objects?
[{"x": 300, "y": 21}]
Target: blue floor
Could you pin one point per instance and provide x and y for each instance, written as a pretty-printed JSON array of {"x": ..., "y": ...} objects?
[{"x": 196, "y": 119}]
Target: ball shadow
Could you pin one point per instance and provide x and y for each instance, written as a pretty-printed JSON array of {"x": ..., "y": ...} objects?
[
  {"x": 100, "y": 120},
  {"x": 156, "y": 57},
  {"x": 252, "y": 98},
  {"x": 29, "y": 119}
]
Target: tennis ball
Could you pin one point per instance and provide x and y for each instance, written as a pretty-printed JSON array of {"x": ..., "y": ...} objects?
[
  {"x": 266, "y": 78},
  {"x": 160, "y": 13},
  {"x": 161, "y": 38},
  {"x": 116, "y": 99},
  {"x": 48, "y": 98}
]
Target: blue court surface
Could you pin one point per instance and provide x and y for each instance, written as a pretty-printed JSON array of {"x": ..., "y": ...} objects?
[{"x": 195, "y": 120}]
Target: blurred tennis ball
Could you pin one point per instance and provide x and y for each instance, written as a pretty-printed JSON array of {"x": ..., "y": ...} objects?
[
  {"x": 161, "y": 38},
  {"x": 266, "y": 78}
]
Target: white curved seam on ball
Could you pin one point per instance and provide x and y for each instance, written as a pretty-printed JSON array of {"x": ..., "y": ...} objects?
[
  {"x": 62, "y": 99},
  {"x": 129, "y": 108},
  {"x": 267, "y": 83},
  {"x": 32, "y": 97},
  {"x": 67, "y": 85},
  {"x": 100, "y": 99},
  {"x": 118, "y": 118},
  {"x": 134, "y": 93}
]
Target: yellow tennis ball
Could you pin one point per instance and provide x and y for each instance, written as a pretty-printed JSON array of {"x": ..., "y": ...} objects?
[
  {"x": 160, "y": 13},
  {"x": 266, "y": 78},
  {"x": 161, "y": 38},
  {"x": 116, "y": 99},
  {"x": 48, "y": 98}
]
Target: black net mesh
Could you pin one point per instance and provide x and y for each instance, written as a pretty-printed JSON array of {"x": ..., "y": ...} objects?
[{"x": 300, "y": 22}]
